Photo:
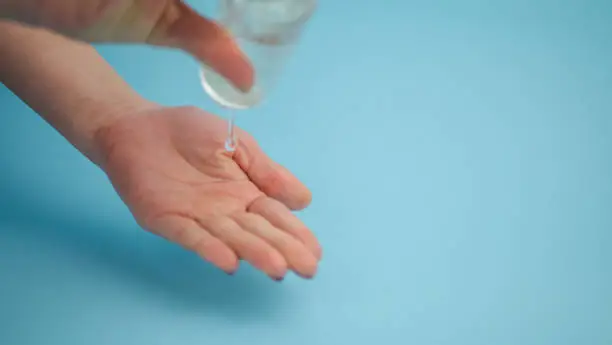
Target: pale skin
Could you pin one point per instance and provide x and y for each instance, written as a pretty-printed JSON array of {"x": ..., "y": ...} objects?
[{"x": 168, "y": 165}]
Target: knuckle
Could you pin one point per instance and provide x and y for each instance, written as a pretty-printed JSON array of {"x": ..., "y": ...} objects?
[{"x": 164, "y": 15}]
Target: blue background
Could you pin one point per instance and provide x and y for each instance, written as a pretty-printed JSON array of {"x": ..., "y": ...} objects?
[{"x": 460, "y": 156}]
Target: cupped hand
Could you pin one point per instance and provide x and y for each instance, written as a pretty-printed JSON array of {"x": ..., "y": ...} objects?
[{"x": 170, "y": 167}]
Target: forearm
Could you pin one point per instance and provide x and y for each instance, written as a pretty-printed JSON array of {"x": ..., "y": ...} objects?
[{"x": 66, "y": 82}]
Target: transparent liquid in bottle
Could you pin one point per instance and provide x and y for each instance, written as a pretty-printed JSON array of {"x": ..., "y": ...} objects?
[
  {"x": 269, "y": 55},
  {"x": 228, "y": 96},
  {"x": 266, "y": 31}
]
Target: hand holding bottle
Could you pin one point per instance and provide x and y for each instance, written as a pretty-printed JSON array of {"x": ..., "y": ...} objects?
[{"x": 164, "y": 23}]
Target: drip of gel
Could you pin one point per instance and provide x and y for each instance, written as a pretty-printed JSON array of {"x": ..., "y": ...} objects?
[
  {"x": 231, "y": 142},
  {"x": 266, "y": 31},
  {"x": 230, "y": 98}
]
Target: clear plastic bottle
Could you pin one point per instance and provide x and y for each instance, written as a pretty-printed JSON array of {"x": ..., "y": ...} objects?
[{"x": 267, "y": 31}]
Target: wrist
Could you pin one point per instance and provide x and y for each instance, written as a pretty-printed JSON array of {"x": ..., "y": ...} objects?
[
  {"x": 66, "y": 82},
  {"x": 89, "y": 137}
]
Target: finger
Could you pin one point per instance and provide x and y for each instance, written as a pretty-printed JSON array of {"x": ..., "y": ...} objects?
[
  {"x": 248, "y": 246},
  {"x": 299, "y": 258},
  {"x": 181, "y": 27},
  {"x": 190, "y": 235},
  {"x": 270, "y": 177},
  {"x": 280, "y": 217}
]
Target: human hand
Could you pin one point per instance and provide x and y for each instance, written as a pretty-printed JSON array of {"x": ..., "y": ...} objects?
[
  {"x": 164, "y": 23},
  {"x": 170, "y": 167}
]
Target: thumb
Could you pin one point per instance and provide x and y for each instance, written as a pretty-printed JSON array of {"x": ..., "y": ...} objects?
[
  {"x": 172, "y": 24},
  {"x": 269, "y": 176},
  {"x": 183, "y": 28}
]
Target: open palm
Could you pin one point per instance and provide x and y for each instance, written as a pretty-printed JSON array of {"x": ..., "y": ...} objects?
[{"x": 170, "y": 167}]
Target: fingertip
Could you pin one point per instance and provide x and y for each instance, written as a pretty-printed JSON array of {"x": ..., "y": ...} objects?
[
  {"x": 300, "y": 200},
  {"x": 192, "y": 236},
  {"x": 279, "y": 215},
  {"x": 221, "y": 256},
  {"x": 316, "y": 250},
  {"x": 308, "y": 267},
  {"x": 249, "y": 247},
  {"x": 235, "y": 67},
  {"x": 207, "y": 41},
  {"x": 285, "y": 187},
  {"x": 232, "y": 271},
  {"x": 277, "y": 265}
]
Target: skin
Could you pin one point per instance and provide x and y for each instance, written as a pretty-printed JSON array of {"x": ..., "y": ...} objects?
[
  {"x": 168, "y": 165},
  {"x": 163, "y": 23},
  {"x": 171, "y": 169}
]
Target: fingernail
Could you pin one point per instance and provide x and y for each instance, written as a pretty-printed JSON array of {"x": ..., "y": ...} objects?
[
  {"x": 304, "y": 276},
  {"x": 278, "y": 279}
]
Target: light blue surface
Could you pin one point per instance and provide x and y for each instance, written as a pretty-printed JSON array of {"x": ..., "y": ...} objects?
[{"x": 460, "y": 156}]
